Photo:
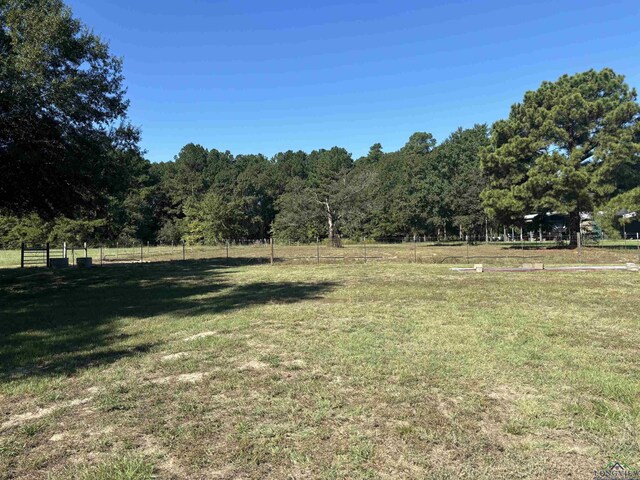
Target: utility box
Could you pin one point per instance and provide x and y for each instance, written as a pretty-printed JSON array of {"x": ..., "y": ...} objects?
[
  {"x": 59, "y": 262},
  {"x": 83, "y": 262}
]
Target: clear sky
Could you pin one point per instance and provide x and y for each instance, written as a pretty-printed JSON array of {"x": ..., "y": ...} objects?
[{"x": 268, "y": 76}]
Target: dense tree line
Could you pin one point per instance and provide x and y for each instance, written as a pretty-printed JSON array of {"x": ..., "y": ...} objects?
[{"x": 72, "y": 170}]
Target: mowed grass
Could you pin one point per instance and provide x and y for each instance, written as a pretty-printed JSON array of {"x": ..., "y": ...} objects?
[
  {"x": 453, "y": 252},
  {"x": 380, "y": 370}
]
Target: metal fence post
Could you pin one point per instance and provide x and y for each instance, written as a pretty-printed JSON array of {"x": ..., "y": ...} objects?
[
  {"x": 86, "y": 253},
  {"x": 226, "y": 246},
  {"x": 317, "y": 250},
  {"x": 271, "y": 250},
  {"x": 101, "y": 256},
  {"x": 365, "y": 249},
  {"x": 415, "y": 250},
  {"x": 183, "y": 251},
  {"x": 22, "y": 255},
  {"x": 48, "y": 255},
  {"x": 467, "y": 237},
  {"x": 579, "y": 239},
  {"x": 141, "y": 251}
]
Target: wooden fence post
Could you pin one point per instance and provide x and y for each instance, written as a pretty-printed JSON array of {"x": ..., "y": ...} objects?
[
  {"x": 317, "y": 250},
  {"x": 183, "y": 251},
  {"x": 48, "y": 255},
  {"x": 22, "y": 255}
]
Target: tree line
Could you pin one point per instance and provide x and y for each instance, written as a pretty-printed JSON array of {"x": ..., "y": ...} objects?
[{"x": 72, "y": 169}]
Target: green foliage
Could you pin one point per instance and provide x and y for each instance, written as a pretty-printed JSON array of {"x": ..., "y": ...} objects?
[
  {"x": 64, "y": 138},
  {"x": 300, "y": 217},
  {"x": 213, "y": 219},
  {"x": 76, "y": 232},
  {"x": 30, "y": 229},
  {"x": 612, "y": 217},
  {"x": 568, "y": 146}
]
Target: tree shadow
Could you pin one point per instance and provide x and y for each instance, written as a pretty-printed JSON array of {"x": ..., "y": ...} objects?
[
  {"x": 538, "y": 246},
  {"x": 54, "y": 322}
]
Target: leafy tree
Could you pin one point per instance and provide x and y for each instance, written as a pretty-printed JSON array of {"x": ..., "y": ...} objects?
[
  {"x": 327, "y": 169},
  {"x": 613, "y": 212},
  {"x": 213, "y": 219},
  {"x": 459, "y": 160},
  {"x": 76, "y": 232},
  {"x": 420, "y": 143},
  {"x": 300, "y": 217},
  {"x": 64, "y": 137},
  {"x": 571, "y": 144}
]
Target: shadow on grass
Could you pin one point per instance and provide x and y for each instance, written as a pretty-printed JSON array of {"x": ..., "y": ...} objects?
[{"x": 55, "y": 322}]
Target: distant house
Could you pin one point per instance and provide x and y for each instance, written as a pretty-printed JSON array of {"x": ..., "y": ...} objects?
[{"x": 549, "y": 224}]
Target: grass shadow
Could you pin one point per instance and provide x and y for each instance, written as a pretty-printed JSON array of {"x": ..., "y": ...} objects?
[{"x": 65, "y": 320}]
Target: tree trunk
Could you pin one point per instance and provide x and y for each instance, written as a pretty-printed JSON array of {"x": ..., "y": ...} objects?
[
  {"x": 334, "y": 236},
  {"x": 574, "y": 228}
]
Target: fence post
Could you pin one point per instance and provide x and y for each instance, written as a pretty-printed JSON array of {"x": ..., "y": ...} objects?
[
  {"x": 579, "y": 238},
  {"x": 365, "y": 249},
  {"x": 486, "y": 230},
  {"x": 101, "y": 256},
  {"x": 271, "y": 250},
  {"x": 141, "y": 251},
  {"x": 183, "y": 251},
  {"x": 22, "y": 255},
  {"x": 48, "y": 255},
  {"x": 467, "y": 237},
  {"x": 86, "y": 253},
  {"x": 64, "y": 249},
  {"x": 415, "y": 250},
  {"x": 116, "y": 250},
  {"x": 317, "y": 250}
]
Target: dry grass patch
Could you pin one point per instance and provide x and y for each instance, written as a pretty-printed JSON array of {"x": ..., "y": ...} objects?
[{"x": 360, "y": 371}]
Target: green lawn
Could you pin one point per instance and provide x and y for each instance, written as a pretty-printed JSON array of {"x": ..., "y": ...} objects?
[{"x": 380, "y": 370}]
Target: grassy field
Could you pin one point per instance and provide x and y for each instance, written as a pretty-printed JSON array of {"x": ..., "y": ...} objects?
[
  {"x": 606, "y": 252},
  {"x": 380, "y": 370}
]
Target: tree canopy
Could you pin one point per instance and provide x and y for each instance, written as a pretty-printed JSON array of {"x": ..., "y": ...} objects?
[
  {"x": 567, "y": 147},
  {"x": 64, "y": 138},
  {"x": 72, "y": 168}
]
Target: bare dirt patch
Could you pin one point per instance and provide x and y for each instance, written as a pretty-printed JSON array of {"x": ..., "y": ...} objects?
[
  {"x": 184, "y": 378},
  {"x": 199, "y": 335},
  {"x": 41, "y": 412},
  {"x": 174, "y": 356},
  {"x": 254, "y": 365}
]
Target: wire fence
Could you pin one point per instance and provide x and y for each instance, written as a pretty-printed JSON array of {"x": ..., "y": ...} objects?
[{"x": 499, "y": 251}]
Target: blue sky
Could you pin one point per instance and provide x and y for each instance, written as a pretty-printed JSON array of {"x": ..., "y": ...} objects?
[{"x": 268, "y": 76}]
